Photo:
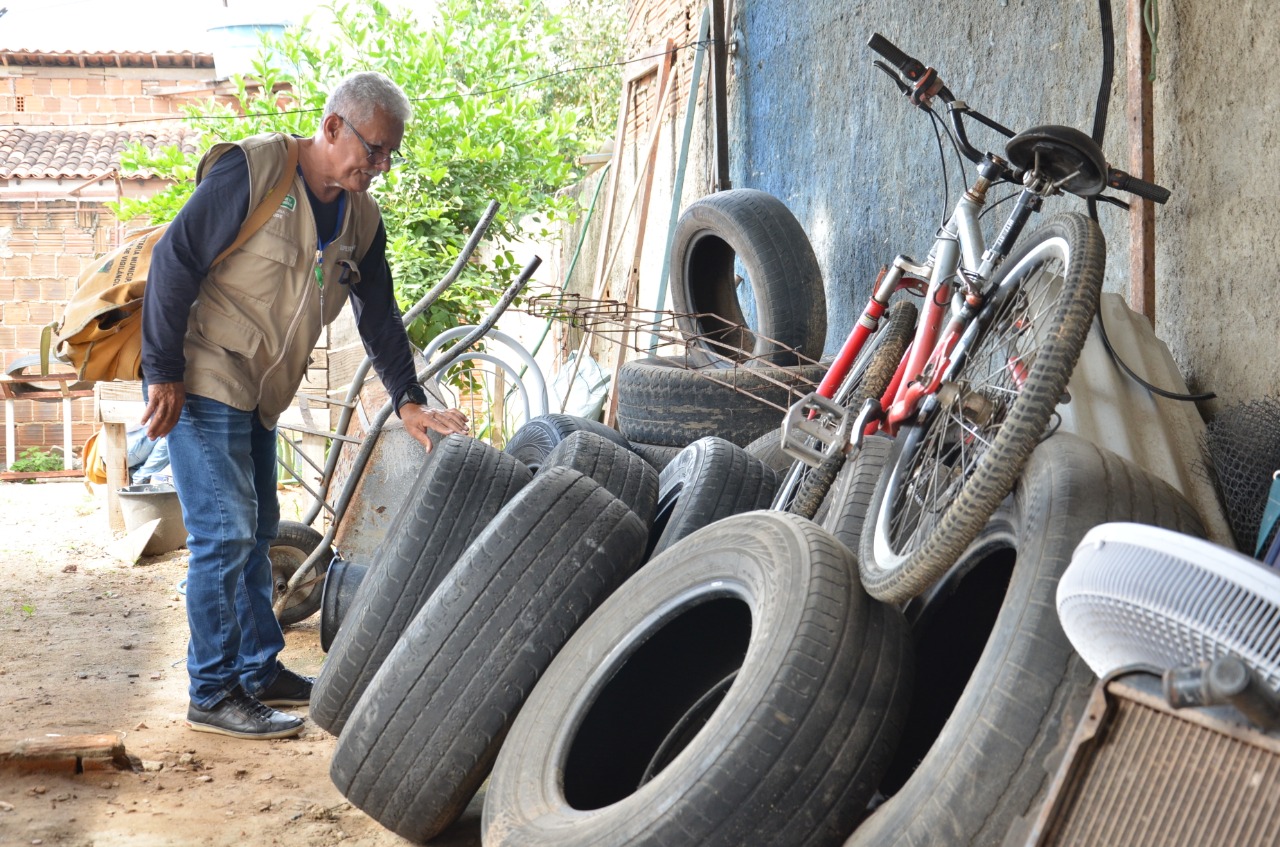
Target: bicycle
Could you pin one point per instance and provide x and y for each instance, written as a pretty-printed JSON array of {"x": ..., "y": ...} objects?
[{"x": 971, "y": 388}]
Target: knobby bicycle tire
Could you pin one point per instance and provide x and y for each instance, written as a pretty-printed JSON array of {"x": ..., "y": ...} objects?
[
  {"x": 952, "y": 471},
  {"x": 806, "y": 487}
]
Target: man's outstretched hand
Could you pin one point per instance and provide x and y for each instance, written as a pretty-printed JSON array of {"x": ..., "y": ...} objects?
[{"x": 419, "y": 421}]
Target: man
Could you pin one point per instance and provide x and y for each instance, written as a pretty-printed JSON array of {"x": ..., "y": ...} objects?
[{"x": 224, "y": 350}]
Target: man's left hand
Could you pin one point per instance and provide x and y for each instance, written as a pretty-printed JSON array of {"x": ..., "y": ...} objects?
[{"x": 419, "y": 421}]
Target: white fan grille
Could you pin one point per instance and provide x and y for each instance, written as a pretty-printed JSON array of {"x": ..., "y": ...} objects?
[{"x": 1136, "y": 594}]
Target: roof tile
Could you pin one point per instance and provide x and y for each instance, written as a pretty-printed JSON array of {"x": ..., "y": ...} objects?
[{"x": 54, "y": 154}]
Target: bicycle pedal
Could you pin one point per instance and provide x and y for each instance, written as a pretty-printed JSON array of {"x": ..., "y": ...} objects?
[{"x": 814, "y": 429}]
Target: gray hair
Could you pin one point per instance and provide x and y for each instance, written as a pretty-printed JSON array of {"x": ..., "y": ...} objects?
[{"x": 360, "y": 94}]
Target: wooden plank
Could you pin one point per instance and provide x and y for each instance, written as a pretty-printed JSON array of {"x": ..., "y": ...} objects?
[
  {"x": 119, "y": 390},
  {"x": 632, "y": 287},
  {"x": 120, "y": 411},
  {"x": 611, "y": 194},
  {"x": 48, "y": 749},
  {"x": 1140, "y": 116},
  {"x": 719, "y": 94},
  {"x": 16, "y": 476},
  {"x": 342, "y": 364},
  {"x": 115, "y": 454},
  {"x": 51, "y": 395}
]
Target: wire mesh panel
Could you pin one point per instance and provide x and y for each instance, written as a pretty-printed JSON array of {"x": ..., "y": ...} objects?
[{"x": 1242, "y": 443}]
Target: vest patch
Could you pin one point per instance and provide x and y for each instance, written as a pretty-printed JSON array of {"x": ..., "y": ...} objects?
[{"x": 289, "y": 203}]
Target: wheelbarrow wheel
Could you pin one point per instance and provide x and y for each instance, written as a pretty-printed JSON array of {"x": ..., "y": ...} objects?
[{"x": 294, "y": 543}]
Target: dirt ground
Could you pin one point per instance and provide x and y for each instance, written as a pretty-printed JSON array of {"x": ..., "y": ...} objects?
[{"x": 89, "y": 644}]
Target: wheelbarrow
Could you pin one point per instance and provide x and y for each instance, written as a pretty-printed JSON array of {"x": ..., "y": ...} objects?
[{"x": 301, "y": 555}]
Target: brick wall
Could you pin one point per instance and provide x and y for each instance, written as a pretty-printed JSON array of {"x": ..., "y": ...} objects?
[
  {"x": 42, "y": 248},
  {"x": 39, "y": 96},
  {"x": 46, "y": 234},
  {"x": 649, "y": 25}
]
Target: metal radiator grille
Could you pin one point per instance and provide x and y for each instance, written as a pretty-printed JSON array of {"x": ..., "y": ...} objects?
[{"x": 1155, "y": 779}]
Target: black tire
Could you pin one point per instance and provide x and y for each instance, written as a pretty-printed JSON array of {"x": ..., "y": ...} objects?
[
  {"x": 774, "y": 254},
  {"x": 341, "y": 584},
  {"x": 424, "y": 736},
  {"x": 710, "y": 480},
  {"x": 740, "y": 689},
  {"x": 623, "y": 473},
  {"x": 999, "y": 686},
  {"x": 459, "y": 490},
  {"x": 657, "y": 455},
  {"x": 851, "y": 493},
  {"x": 954, "y": 469},
  {"x": 664, "y": 401},
  {"x": 805, "y": 488},
  {"x": 539, "y": 436},
  {"x": 768, "y": 449},
  {"x": 294, "y": 543}
]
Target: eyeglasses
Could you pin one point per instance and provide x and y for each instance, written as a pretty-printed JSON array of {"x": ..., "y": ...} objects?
[{"x": 376, "y": 157}]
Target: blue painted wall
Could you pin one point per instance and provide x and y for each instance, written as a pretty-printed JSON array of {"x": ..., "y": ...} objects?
[{"x": 813, "y": 122}]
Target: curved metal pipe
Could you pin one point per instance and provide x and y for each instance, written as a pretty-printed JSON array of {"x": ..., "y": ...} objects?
[{"x": 541, "y": 398}]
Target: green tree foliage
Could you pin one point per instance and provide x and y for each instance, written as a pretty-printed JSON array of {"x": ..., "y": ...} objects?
[
  {"x": 579, "y": 60},
  {"x": 481, "y": 131}
]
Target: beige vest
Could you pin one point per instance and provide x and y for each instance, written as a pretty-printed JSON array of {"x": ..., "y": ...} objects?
[{"x": 260, "y": 312}]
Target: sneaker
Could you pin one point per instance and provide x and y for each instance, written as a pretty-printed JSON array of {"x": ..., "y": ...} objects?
[
  {"x": 241, "y": 716},
  {"x": 288, "y": 689}
]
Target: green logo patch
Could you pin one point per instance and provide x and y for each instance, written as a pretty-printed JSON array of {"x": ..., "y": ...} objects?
[{"x": 289, "y": 203}]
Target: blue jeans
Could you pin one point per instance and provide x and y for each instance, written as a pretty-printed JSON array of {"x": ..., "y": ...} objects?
[
  {"x": 224, "y": 467},
  {"x": 146, "y": 457}
]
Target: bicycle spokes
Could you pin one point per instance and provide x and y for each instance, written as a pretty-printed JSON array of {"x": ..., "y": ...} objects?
[{"x": 972, "y": 410}]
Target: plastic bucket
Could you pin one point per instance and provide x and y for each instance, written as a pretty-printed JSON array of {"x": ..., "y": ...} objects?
[{"x": 142, "y": 503}]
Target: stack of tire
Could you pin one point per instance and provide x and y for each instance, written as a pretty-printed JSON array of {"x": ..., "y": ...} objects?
[
  {"x": 634, "y": 657},
  {"x": 493, "y": 562},
  {"x": 732, "y": 382}
]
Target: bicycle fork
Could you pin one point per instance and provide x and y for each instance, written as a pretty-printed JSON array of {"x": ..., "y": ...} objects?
[{"x": 819, "y": 426}]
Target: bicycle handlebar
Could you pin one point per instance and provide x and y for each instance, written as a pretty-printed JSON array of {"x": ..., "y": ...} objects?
[
  {"x": 908, "y": 68},
  {"x": 1122, "y": 181},
  {"x": 920, "y": 83}
]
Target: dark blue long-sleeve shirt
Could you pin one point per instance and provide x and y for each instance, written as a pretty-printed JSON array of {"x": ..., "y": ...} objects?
[{"x": 205, "y": 226}]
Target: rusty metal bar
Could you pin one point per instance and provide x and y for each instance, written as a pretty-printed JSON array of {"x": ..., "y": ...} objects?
[
  {"x": 1140, "y": 118},
  {"x": 720, "y": 100}
]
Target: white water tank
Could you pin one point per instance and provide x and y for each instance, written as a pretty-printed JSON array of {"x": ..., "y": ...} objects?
[{"x": 236, "y": 40}]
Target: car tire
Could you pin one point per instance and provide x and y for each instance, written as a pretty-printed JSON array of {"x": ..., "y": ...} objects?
[
  {"x": 999, "y": 686},
  {"x": 740, "y": 689},
  {"x": 462, "y": 486},
  {"x": 421, "y": 741}
]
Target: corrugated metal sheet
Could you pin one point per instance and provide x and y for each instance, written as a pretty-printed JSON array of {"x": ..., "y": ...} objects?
[{"x": 1159, "y": 435}]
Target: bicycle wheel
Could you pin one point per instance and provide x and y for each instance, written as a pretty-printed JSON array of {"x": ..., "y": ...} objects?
[
  {"x": 805, "y": 487},
  {"x": 955, "y": 467}
]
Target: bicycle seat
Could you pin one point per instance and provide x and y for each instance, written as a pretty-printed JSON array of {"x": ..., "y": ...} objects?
[{"x": 1065, "y": 154}]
